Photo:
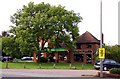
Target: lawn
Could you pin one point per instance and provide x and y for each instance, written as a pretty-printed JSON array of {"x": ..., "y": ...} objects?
[{"x": 34, "y": 65}]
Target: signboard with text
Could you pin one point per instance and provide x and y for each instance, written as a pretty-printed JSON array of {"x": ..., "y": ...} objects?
[{"x": 102, "y": 53}]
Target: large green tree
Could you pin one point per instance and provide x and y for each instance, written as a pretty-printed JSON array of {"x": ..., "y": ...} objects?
[{"x": 43, "y": 20}]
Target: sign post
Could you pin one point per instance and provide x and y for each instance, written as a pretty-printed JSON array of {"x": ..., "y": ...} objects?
[{"x": 101, "y": 56}]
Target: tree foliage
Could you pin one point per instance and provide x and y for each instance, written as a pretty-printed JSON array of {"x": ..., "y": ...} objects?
[
  {"x": 44, "y": 20},
  {"x": 10, "y": 47},
  {"x": 111, "y": 52}
]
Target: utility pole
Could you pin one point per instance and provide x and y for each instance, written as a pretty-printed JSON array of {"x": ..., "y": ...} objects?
[
  {"x": 101, "y": 63},
  {"x": 118, "y": 23}
]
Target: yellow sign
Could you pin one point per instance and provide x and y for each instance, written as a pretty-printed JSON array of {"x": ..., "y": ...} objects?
[{"x": 102, "y": 53}]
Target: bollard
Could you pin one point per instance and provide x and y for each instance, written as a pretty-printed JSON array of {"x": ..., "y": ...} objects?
[
  {"x": 6, "y": 64},
  {"x": 54, "y": 65},
  {"x": 40, "y": 66},
  {"x": 82, "y": 66},
  {"x": 24, "y": 65},
  {"x": 70, "y": 65}
]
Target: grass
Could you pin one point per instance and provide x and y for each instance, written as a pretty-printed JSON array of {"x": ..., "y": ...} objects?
[{"x": 34, "y": 65}]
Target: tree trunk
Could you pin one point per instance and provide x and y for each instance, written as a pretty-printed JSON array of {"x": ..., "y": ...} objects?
[{"x": 39, "y": 56}]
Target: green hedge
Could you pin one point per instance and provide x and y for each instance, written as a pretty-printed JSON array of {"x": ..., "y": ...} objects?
[{"x": 115, "y": 71}]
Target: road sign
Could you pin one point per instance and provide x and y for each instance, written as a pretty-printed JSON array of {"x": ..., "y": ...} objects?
[{"x": 102, "y": 53}]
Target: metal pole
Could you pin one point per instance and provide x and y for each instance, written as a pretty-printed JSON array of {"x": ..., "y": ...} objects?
[
  {"x": 118, "y": 23},
  {"x": 101, "y": 64}
]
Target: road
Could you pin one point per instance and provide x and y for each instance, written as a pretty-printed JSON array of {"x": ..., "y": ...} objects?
[{"x": 47, "y": 73}]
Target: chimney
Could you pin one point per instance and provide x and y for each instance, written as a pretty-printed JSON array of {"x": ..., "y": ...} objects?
[{"x": 102, "y": 38}]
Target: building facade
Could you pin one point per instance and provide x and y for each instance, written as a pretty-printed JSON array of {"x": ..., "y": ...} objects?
[{"x": 86, "y": 47}]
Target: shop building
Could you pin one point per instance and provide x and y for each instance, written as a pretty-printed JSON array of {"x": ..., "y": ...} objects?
[{"x": 86, "y": 48}]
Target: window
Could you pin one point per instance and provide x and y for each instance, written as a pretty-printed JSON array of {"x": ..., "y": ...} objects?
[
  {"x": 89, "y": 50},
  {"x": 113, "y": 62},
  {"x": 106, "y": 62},
  {"x": 89, "y": 46},
  {"x": 79, "y": 46}
]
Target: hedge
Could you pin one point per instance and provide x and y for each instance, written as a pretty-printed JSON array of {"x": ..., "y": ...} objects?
[{"x": 115, "y": 71}]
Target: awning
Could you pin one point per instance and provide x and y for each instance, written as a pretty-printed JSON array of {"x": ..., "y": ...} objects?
[{"x": 58, "y": 49}]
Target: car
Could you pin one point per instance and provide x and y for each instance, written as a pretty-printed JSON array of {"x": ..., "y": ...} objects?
[
  {"x": 107, "y": 64},
  {"x": 7, "y": 58},
  {"x": 26, "y": 58}
]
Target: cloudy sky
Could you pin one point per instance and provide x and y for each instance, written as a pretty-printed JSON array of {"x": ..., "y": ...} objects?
[{"x": 88, "y": 9}]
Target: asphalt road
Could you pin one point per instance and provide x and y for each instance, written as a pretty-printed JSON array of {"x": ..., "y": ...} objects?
[{"x": 48, "y": 74}]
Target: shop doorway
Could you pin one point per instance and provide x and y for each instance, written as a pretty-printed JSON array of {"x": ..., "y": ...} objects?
[
  {"x": 89, "y": 58},
  {"x": 78, "y": 58}
]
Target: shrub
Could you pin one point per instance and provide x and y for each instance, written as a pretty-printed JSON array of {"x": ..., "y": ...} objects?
[{"x": 115, "y": 71}]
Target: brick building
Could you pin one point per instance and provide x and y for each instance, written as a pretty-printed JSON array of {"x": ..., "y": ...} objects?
[{"x": 86, "y": 47}]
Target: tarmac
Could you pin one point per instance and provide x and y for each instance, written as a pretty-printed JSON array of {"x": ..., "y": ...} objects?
[{"x": 49, "y": 74}]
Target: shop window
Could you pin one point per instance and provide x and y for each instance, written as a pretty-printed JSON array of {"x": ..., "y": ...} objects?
[
  {"x": 89, "y": 50},
  {"x": 89, "y": 46}
]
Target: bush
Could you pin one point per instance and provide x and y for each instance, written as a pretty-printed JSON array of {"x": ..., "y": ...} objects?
[{"x": 115, "y": 71}]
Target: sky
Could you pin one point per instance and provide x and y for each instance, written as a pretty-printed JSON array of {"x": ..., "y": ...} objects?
[{"x": 88, "y": 9}]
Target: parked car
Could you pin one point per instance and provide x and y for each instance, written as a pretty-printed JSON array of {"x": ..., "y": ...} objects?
[
  {"x": 7, "y": 58},
  {"x": 107, "y": 64},
  {"x": 26, "y": 58}
]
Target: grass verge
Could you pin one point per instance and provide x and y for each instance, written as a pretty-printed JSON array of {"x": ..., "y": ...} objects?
[{"x": 34, "y": 65}]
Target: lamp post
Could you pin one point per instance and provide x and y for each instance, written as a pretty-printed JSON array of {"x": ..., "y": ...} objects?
[{"x": 101, "y": 63}]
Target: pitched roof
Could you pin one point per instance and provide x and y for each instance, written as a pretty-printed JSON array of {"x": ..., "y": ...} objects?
[{"x": 87, "y": 37}]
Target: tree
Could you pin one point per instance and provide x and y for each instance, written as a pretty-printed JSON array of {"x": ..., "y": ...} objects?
[
  {"x": 10, "y": 47},
  {"x": 44, "y": 21},
  {"x": 111, "y": 52}
]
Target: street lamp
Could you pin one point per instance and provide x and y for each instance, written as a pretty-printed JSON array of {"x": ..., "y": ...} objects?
[{"x": 101, "y": 63}]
